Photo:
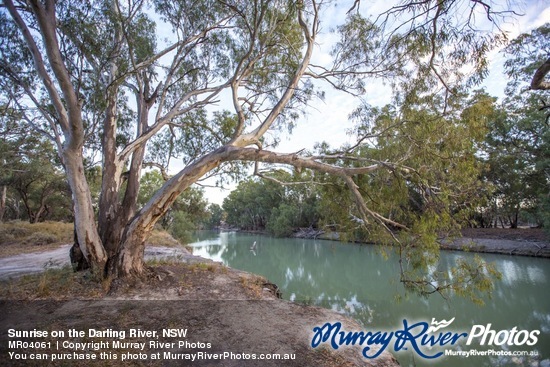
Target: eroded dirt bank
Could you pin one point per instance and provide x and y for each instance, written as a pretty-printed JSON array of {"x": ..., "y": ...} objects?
[
  {"x": 232, "y": 310},
  {"x": 524, "y": 242}
]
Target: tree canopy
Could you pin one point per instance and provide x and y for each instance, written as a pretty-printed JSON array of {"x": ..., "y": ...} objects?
[
  {"x": 518, "y": 141},
  {"x": 209, "y": 84}
]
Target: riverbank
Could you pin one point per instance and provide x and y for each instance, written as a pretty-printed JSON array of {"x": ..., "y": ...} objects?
[
  {"x": 223, "y": 309},
  {"x": 523, "y": 242}
]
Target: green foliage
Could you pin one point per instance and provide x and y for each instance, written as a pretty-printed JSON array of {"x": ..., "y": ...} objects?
[
  {"x": 471, "y": 279},
  {"x": 525, "y": 54},
  {"x": 30, "y": 169},
  {"x": 282, "y": 220},
  {"x": 215, "y": 216},
  {"x": 430, "y": 181},
  {"x": 267, "y": 205},
  {"x": 517, "y": 145},
  {"x": 249, "y": 205},
  {"x": 181, "y": 226}
]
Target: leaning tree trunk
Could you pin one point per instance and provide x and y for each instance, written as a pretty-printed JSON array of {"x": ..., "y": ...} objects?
[{"x": 130, "y": 256}]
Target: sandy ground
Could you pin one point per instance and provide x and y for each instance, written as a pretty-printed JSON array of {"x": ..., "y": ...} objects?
[{"x": 39, "y": 261}]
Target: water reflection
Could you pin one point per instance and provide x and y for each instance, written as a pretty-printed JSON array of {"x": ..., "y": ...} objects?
[{"x": 357, "y": 281}]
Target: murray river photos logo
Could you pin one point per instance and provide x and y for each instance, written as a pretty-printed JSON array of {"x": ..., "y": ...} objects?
[{"x": 424, "y": 339}]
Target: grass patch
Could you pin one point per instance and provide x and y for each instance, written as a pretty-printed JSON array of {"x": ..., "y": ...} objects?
[
  {"x": 163, "y": 238},
  {"x": 165, "y": 260},
  {"x": 53, "y": 283},
  {"x": 19, "y": 237},
  {"x": 211, "y": 267}
]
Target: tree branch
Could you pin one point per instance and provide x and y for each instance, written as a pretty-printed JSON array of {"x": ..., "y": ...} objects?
[
  {"x": 250, "y": 138},
  {"x": 40, "y": 66},
  {"x": 538, "y": 82}
]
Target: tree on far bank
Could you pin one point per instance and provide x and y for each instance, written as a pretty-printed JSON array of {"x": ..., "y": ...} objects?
[
  {"x": 280, "y": 204},
  {"x": 518, "y": 139},
  {"x": 215, "y": 217},
  {"x": 99, "y": 77}
]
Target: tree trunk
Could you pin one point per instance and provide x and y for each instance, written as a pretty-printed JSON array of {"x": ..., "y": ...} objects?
[
  {"x": 85, "y": 226},
  {"x": 514, "y": 220},
  {"x": 129, "y": 260},
  {"x": 78, "y": 260},
  {"x": 3, "y": 197},
  {"x": 109, "y": 221}
]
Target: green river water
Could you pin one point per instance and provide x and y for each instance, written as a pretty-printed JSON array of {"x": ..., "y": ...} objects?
[{"x": 356, "y": 280}]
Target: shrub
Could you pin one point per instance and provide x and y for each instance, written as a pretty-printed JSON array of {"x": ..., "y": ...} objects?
[
  {"x": 282, "y": 220},
  {"x": 182, "y": 226}
]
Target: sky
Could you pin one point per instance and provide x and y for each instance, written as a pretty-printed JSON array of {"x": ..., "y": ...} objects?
[{"x": 328, "y": 120}]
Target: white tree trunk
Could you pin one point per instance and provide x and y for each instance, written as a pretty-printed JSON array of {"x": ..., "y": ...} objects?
[{"x": 85, "y": 225}]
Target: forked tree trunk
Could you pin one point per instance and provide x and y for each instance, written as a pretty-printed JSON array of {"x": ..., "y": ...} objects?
[{"x": 129, "y": 260}]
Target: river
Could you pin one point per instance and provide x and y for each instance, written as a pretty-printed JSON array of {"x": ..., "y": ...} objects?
[{"x": 356, "y": 280}]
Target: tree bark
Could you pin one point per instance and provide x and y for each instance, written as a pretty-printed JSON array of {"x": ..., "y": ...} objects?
[
  {"x": 3, "y": 197},
  {"x": 109, "y": 221},
  {"x": 538, "y": 81},
  {"x": 78, "y": 261},
  {"x": 85, "y": 225}
]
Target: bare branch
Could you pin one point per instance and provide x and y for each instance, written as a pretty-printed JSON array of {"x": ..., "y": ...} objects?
[
  {"x": 160, "y": 167},
  {"x": 174, "y": 112}
]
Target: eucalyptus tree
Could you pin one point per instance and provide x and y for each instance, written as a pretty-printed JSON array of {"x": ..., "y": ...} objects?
[
  {"x": 147, "y": 81},
  {"x": 518, "y": 142}
]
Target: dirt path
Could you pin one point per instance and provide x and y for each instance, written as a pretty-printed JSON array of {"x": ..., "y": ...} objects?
[{"x": 36, "y": 262}]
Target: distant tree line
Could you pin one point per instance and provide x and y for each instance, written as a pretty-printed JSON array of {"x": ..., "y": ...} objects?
[
  {"x": 260, "y": 205},
  {"x": 32, "y": 183}
]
